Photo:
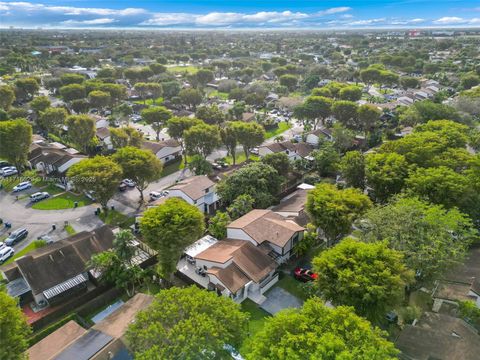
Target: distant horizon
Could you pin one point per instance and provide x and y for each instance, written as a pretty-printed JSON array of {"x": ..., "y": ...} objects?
[{"x": 247, "y": 15}]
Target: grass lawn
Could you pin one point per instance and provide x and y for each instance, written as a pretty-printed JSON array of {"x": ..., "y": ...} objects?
[
  {"x": 240, "y": 158},
  {"x": 172, "y": 167},
  {"x": 115, "y": 218},
  {"x": 62, "y": 201},
  {"x": 218, "y": 94},
  {"x": 181, "y": 69},
  {"x": 32, "y": 246},
  {"x": 293, "y": 286},
  {"x": 158, "y": 101},
  {"x": 255, "y": 324},
  {"x": 282, "y": 127},
  {"x": 70, "y": 230},
  {"x": 52, "y": 189}
]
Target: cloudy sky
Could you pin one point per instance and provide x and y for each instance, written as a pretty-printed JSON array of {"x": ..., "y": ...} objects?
[{"x": 218, "y": 14}]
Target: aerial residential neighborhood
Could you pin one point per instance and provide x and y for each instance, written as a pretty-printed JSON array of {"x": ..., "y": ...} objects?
[{"x": 251, "y": 181}]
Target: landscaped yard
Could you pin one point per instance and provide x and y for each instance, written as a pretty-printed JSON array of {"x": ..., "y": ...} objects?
[
  {"x": 255, "y": 324},
  {"x": 158, "y": 101},
  {"x": 240, "y": 158},
  {"x": 293, "y": 286},
  {"x": 115, "y": 218},
  {"x": 282, "y": 127},
  {"x": 180, "y": 69},
  {"x": 172, "y": 167},
  {"x": 32, "y": 246},
  {"x": 62, "y": 201},
  {"x": 218, "y": 94}
]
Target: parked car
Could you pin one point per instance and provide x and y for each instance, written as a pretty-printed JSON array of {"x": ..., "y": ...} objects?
[
  {"x": 39, "y": 196},
  {"x": 392, "y": 317},
  {"x": 4, "y": 164},
  {"x": 304, "y": 275},
  {"x": 155, "y": 195},
  {"x": 254, "y": 151},
  {"x": 48, "y": 239},
  {"x": 90, "y": 195},
  {"x": 16, "y": 236},
  {"x": 2, "y": 245},
  {"x": 122, "y": 187},
  {"x": 9, "y": 171},
  {"x": 216, "y": 166},
  {"x": 5, "y": 253},
  {"x": 22, "y": 186},
  {"x": 129, "y": 182}
]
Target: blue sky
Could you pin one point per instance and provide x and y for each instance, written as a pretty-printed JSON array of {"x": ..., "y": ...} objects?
[{"x": 217, "y": 14}]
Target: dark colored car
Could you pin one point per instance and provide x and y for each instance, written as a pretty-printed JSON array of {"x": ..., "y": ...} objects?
[
  {"x": 16, "y": 236},
  {"x": 304, "y": 275}
]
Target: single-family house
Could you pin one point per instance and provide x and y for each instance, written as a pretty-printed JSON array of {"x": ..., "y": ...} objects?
[
  {"x": 438, "y": 336},
  {"x": 269, "y": 231},
  {"x": 234, "y": 268},
  {"x": 292, "y": 206},
  {"x": 460, "y": 284},
  {"x": 316, "y": 136},
  {"x": 103, "y": 135},
  {"x": 198, "y": 191},
  {"x": 53, "y": 159},
  {"x": 166, "y": 151},
  {"x": 294, "y": 151}
]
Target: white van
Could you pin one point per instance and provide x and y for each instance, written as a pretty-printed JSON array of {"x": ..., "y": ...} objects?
[{"x": 5, "y": 253}]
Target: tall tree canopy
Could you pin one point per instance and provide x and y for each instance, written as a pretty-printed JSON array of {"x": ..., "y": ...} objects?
[
  {"x": 99, "y": 174},
  {"x": 318, "y": 332},
  {"x": 14, "y": 330},
  {"x": 139, "y": 165},
  {"x": 81, "y": 130},
  {"x": 369, "y": 277},
  {"x": 15, "y": 141},
  {"x": 202, "y": 139},
  {"x": 187, "y": 323},
  {"x": 334, "y": 210},
  {"x": 157, "y": 117},
  {"x": 169, "y": 228},
  {"x": 431, "y": 238},
  {"x": 259, "y": 180},
  {"x": 176, "y": 127}
]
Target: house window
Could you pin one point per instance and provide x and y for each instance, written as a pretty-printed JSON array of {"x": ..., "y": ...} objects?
[
  {"x": 287, "y": 152},
  {"x": 206, "y": 191},
  {"x": 194, "y": 201}
]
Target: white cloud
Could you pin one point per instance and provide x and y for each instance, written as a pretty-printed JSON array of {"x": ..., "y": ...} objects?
[
  {"x": 334, "y": 10},
  {"x": 169, "y": 19},
  {"x": 450, "y": 20},
  {"x": 100, "y": 21},
  {"x": 367, "y": 22},
  {"x": 68, "y": 10}
]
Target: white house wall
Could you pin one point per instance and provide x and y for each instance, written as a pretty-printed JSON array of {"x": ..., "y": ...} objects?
[
  {"x": 69, "y": 163},
  {"x": 238, "y": 234}
]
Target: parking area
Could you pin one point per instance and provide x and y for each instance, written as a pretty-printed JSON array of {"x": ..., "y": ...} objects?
[{"x": 279, "y": 299}]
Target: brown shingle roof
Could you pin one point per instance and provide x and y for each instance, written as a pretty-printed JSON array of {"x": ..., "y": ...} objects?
[
  {"x": 294, "y": 203},
  {"x": 63, "y": 260},
  {"x": 157, "y": 146},
  {"x": 265, "y": 225},
  {"x": 194, "y": 187},
  {"x": 103, "y": 133},
  {"x": 279, "y": 147},
  {"x": 439, "y": 336},
  {"x": 231, "y": 276}
]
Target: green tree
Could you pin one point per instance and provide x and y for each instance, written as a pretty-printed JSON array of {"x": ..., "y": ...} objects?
[
  {"x": 202, "y": 139},
  {"x": 249, "y": 135},
  {"x": 39, "y": 104},
  {"x": 334, "y": 210},
  {"x": 125, "y": 136},
  {"x": 318, "y": 332},
  {"x": 52, "y": 119},
  {"x": 99, "y": 174},
  {"x": 7, "y": 97},
  {"x": 369, "y": 277},
  {"x": 190, "y": 98},
  {"x": 288, "y": 80},
  {"x": 279, "y": 161},
  {"x": 15, "y": 141},
  {"x": 343, "y": 138},
  {"x": 199, "y": 165},
  {"x": 469, "y": 80},
  {"x": 350, "y": 93},
  {"x": 176, "y": 128},
  {"x": 26, "y": 88},
  {"x": 346, "y": 112},
  {"x": 81, "y": 130},
  {"x": 440, "y": 185},
  {"x": 259, "y": 180},
  {"x": 80, "y": 106},
  {"x": 325, "y": 159},
  {"x": 229, "y": 138},
  {"x": 352, "y": 167},
  {"x": 99, "y": 99},
  {"x": 408, "y": 82},
  {"x": 432, "y": 239},
  {"x": 73, "y": 92},
  {"x": 217, "y": 225},
  {"x": 386, "y": 174},
  {"x": 240, "y": 206},
  {"x": 14, "y": 329},
  {"x": 157, "y": 117},
  {"x": 211, "y": 115},
  {"x": 71, "y": 78},
  {"x": 139, "y": 165},
  {"x": 316, "y": 109},
  {"x": 204, "y": 76},
  {"x": 169, "y": 228},
  {"x": 368, "y": 117},
  {"x": 187, "y": 323}
]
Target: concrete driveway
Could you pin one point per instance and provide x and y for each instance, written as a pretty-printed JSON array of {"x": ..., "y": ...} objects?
[{"x": 279, "y": 299}]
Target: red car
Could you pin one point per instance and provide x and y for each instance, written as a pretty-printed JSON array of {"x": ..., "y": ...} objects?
[{"x": 304, "y": 274}]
